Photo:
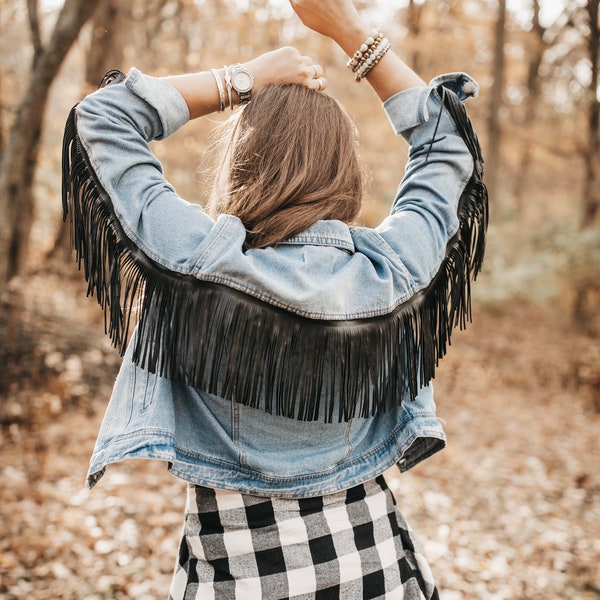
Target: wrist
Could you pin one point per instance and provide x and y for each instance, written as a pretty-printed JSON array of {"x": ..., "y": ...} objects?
[
  {"x": 235, "y": 85},
  {"x": 351, "y": 36}
]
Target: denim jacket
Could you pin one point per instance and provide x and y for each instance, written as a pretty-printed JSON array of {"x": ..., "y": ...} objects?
[{"x": 331, "y": 272}]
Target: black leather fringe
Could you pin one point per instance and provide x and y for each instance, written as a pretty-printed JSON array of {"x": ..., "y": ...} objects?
[{"x": 238, "y": 347}]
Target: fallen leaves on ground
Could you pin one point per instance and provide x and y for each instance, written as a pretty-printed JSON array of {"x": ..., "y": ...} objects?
[{"x": 510, "y": 510}]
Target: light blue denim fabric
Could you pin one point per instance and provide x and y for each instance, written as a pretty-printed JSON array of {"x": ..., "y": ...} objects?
[{"x": 330, "y": 271}]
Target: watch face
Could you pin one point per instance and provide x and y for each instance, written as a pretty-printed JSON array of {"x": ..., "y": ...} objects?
[{"x": 242, "y": 81}]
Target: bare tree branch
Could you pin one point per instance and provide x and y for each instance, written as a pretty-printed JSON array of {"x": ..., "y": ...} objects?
[
  {"x": 34, "y": 27},
  {"x": 19, "y": 156}
]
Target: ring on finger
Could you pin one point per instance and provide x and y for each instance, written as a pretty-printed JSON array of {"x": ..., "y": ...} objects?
[
  {"x": 320, "y": 82},
  {"x": 316, "y": 72}
]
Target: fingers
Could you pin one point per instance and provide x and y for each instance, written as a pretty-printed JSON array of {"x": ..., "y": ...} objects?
[
  {"x": 286, "y": 65},
  {"x": 315, "y": 75},
  {"x": 321, "y": 83}
]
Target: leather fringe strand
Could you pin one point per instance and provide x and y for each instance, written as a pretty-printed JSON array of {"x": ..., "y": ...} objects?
[{"x": 235, "y": 346}]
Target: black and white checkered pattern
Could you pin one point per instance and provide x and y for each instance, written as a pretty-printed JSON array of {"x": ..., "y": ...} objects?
[{"x": 352, "y": 545}]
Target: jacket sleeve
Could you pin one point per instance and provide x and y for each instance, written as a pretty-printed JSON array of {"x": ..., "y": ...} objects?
[
  {"x": 114, "y": 126},
  {"x": 444, "y": 157}
]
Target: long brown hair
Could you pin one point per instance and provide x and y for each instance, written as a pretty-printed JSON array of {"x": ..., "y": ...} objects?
[{"x": 290, "y": 161}]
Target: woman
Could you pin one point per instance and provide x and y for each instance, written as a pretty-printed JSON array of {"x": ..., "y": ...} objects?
[{"x": 282, "y": 359}]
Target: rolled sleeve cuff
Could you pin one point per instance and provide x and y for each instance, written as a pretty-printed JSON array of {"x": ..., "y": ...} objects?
[
  {"x": 408, "y": 109},
  {"x": 163, "y": 97}
]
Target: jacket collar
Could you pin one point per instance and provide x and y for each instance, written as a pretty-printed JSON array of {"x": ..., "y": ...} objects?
[{"x": 324, "y": 233}]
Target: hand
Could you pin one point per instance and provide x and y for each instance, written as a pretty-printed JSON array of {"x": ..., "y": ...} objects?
[
  {"x": 340, "y": 21},
  {"x": 286, "y": 65},
  {"x": 336, "y": 19}
]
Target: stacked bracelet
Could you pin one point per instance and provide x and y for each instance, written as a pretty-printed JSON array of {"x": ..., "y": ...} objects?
[
  {"x": 368, "y": 55},
  {"x": 217, "y": 77},
  {"x": 228, "y": 85},
  {"x": 365, "y": 50},
  {"x": 372, "y": 60},
  {"x": 238, "y": 79}
]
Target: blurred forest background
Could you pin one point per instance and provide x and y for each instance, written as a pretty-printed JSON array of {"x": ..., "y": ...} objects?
[{"x": 511, "y": 509}]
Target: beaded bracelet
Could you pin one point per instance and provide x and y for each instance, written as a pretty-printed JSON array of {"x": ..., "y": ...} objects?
[
  {"x": 365, "y": 50},
  {"x": 368, "y": 55},
  {"x": 365, "y": 67}
]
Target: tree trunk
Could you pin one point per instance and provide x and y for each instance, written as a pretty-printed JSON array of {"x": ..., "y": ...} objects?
[
  {"x": 19, "y": 157},
  {"x": 413, "y": 23},
  {"x": 531, "y": 102},
  {"x": 591, "y": 192},
  {"x": 494, "y": 129},
  {"x": 107, "y": 43}
]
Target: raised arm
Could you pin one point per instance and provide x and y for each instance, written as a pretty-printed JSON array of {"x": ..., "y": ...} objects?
[
  {"x": 340, "y": 21},
  {"x": 285, "y": 65},
  {"x": 439, "y": 215}
]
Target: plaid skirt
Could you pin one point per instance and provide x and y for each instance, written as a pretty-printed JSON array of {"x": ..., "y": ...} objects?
[{"x": 352, "y": 545}]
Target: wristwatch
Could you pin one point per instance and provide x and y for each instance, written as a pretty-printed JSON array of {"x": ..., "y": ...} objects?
[{"x": 242, "y": 82}]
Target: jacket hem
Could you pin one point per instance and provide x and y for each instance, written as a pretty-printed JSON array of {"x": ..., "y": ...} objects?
[{"x": 210, "y": 472}]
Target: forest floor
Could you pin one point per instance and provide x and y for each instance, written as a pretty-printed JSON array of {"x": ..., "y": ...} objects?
[{"x": 510, "y": 510}]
